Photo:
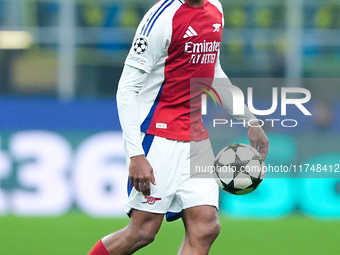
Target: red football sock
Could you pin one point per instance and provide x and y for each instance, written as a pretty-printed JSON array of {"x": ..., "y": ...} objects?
[{"x": 99, "y": 249}]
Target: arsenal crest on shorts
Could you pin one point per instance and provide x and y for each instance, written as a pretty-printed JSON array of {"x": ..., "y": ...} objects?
[{"x": 140, "y": 45}]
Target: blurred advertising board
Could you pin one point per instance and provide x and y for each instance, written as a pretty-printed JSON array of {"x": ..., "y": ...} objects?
[{"x": 57, "y": 156}]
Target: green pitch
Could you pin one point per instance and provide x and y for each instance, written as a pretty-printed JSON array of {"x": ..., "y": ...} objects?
[{"x": 76, "y": 233}]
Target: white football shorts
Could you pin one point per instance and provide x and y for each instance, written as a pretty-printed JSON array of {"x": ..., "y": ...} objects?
[{"x": 176, "y": 188}]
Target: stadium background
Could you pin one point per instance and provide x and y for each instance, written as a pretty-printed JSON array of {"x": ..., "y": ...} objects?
[{"x": 62, "y": 173}]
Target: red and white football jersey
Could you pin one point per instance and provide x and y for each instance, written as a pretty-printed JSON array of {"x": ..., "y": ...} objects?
[{"x": 174, "y": 43}]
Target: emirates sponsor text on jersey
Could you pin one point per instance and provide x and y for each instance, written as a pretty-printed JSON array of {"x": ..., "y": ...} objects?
[{"x": 203, "y": 52}]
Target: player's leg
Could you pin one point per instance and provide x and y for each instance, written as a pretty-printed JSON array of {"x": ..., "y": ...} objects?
[
  {"x": 141, "y": 231},
  {"x": 201, "y": 229},
  {"x": 147, "y": 211},
  {"x": 199, "y": 195}
]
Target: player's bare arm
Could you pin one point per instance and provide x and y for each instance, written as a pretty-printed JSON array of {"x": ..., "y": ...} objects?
[{"x": 141, "y": 174}]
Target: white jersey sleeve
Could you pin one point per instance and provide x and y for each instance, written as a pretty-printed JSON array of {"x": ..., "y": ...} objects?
[
  {"x": 221, "y": 83},
  {"x": 129, "y": 86},
  {"x": 152, "y": 39},
  {"x": 148, "y": 52}
]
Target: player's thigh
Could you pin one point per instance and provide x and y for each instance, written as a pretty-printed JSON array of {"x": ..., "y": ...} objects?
[
  {"x": 145, "y": 222},
  {"x": 167, "y": 158}
]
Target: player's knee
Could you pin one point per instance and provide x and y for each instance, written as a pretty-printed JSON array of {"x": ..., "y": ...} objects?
[
  {"x": 217, "y": 229},
  {"x": 213, "y": 231},
  {"x": 146, "y": 237},
  {"x": 209, "y": 233},
  {"x": 141, "y": 236}
]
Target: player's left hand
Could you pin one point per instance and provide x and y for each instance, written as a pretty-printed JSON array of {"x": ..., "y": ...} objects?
[{"x": 258, "y": 139}]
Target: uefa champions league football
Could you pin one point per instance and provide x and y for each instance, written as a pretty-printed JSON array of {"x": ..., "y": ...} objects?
[{"x": 239, "y": 169}]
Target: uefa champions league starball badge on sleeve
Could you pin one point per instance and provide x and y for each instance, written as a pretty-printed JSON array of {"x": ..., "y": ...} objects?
[{"x": 140, "y": 45}]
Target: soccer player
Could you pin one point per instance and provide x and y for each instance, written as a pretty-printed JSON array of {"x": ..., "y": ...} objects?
[{"x": 177, "y": 40}]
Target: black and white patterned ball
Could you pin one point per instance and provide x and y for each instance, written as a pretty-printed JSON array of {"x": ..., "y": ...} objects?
[
  {"x": 239, "y": 169},
  {"x": 140, "y": 45}
]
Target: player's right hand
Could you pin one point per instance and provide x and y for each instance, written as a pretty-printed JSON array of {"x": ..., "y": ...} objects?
[
  {"x": 258, "y": 139},
  {"x": 141, "y": 174}
]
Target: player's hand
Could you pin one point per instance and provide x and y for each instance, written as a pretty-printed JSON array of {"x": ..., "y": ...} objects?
[
  {"x": 258, "y": 139},
  {"x": 141, "y": 174}
]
